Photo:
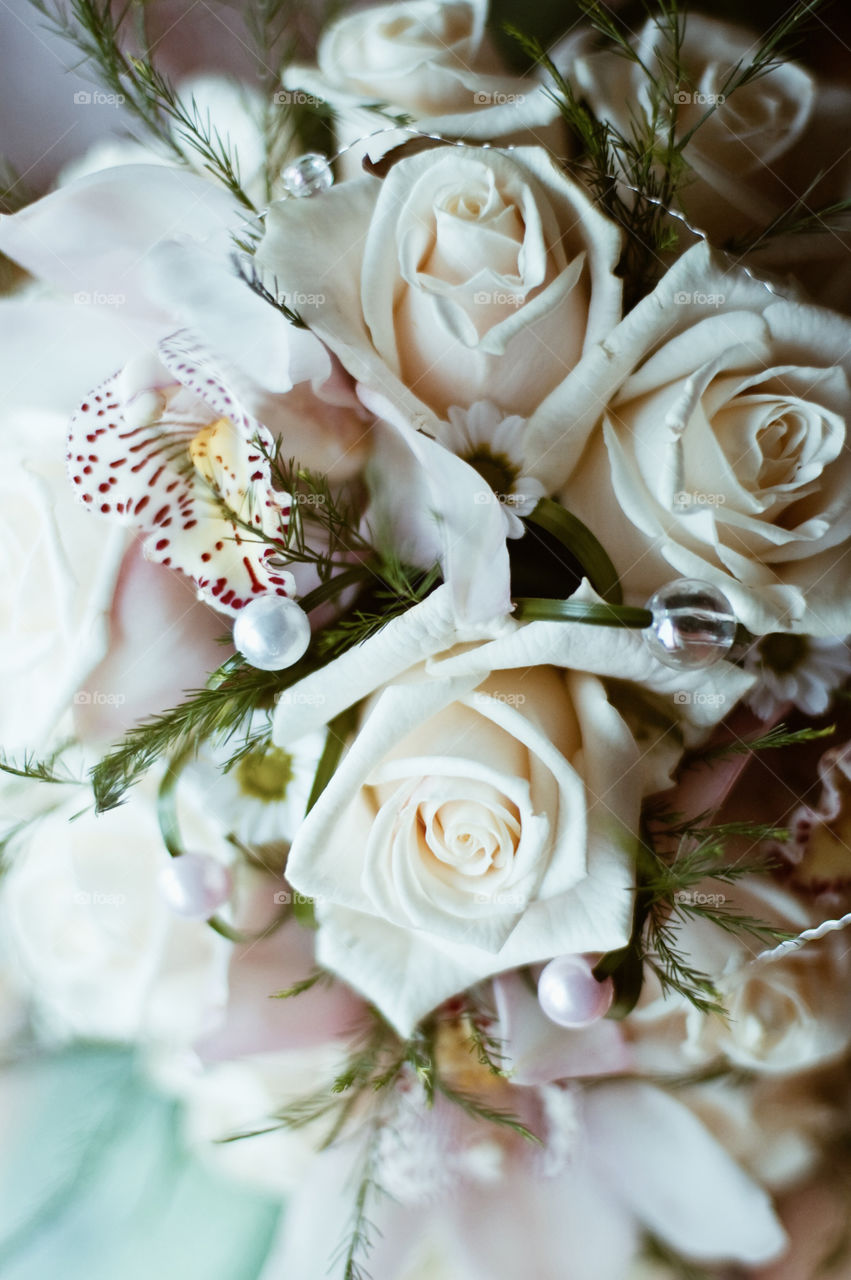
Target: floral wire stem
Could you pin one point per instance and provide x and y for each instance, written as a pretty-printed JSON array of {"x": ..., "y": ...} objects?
[{"x": 801, "y": 939}]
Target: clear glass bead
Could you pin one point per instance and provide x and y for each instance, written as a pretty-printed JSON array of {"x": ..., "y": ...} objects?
[
  {"x": 271, "y": 632},
  {"x": 693, "y": 624},
  {"x": 309, "y": 175}
]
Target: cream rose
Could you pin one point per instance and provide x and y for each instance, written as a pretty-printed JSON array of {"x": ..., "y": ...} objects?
[
  {"x": 429, "y": 60},
  {"x": 416, "y": 55},
  {"x": 485, "y": 814},
  {"x": 465, "y": 275},
  {"x": 735, "y": 151},
  {"x": 723, "y": 446},
  {"x": 786, "y": 1015}
]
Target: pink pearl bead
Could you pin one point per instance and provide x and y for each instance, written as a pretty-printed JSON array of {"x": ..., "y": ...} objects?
[
  {"x": 195, "y": 885},
  {"x": 570, "y": 995}
]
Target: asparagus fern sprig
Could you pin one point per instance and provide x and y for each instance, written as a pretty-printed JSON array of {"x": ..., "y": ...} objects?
[{"x": 101, "y": 33}]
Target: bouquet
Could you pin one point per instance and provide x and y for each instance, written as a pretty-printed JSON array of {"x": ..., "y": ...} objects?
[{"x": 428, "y": 511}]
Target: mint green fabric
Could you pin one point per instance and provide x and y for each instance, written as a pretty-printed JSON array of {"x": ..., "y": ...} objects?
[{"x": 95, "y": 1183}]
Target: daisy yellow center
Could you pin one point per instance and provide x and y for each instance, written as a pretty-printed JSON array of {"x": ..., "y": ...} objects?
[
  {"x": 265, "y": 774},
  {"x": 783, "y": 653},
  {"x": 496, "y": 469}
]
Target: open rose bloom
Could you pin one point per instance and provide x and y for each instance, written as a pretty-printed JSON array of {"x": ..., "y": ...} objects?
[{"x": 427, "y": 585}]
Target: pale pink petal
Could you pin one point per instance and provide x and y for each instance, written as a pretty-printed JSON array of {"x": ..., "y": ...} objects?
[
  {"x": 163, "y": 641},
  {"x": 816, "y": 1217},
  {"x": 253, "y": 1022},
  {"x": 661, "y": 1161},
  {"x": 318, "y": 1221},
  {"x": 546, "y": 1228},
  {"x": 536, "y": 1051}
]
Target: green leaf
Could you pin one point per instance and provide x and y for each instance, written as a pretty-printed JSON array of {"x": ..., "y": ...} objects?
[
  {"x": 334, "y": 586},
  {"x": 581, "y": 543},
  {"x": 479, "y": 1110},
  {"x": 304, "y": 912},
  {"x": 335, "y": 744},
  {"x": 167, "y": 807},
  {"x": 304, "y": 984},
  {"x": 233, "y": 693}
]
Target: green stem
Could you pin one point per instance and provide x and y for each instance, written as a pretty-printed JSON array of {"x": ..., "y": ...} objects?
[
  {"x": 541, "y": 609},
  {"x": 333, "y": 587}
]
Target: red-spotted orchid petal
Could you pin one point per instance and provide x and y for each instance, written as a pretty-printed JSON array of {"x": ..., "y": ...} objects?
[
  {"x": 192, "y": 365},
  {"x": 166, "y": 447}
]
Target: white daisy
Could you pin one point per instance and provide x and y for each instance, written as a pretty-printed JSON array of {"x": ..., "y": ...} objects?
[
  {"x": 262, "y": 800},
  {"x": 492, "y": 444},
  {"x": 803, "y": 670}
]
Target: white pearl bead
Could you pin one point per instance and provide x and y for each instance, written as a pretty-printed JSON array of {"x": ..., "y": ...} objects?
[
  {"x": 195, "y": 885},
  {"x": 309, "y": 175},
  {"x": 570, "y": 995},
  {"x": 693, "y": 624},
  {"x": 271, "y": 632}
]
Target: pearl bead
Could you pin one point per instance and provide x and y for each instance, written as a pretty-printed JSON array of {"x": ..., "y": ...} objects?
[
  {"x": 271, "y": 632},
  {"x": 693, "y": 624},
  {"x": 308, "y": 175},
  {"x": 570, "y": 995},
  {"x": 195, "y": 885}
]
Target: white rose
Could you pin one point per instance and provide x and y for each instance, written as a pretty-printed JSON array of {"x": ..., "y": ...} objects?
[
  {"x": 723, "y": 447},
  {"x": 819, "y": 165},
  {"x": 415, "y": 55},
  {"x": 90, "y": 936},
  {"x": 467, "y": 275},
  {"x": 734, "y": 152},
  {"x": 485, "y": 814},
  {"x": 425, "y": 59},
  {"x": 786, "y": 1015}
]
